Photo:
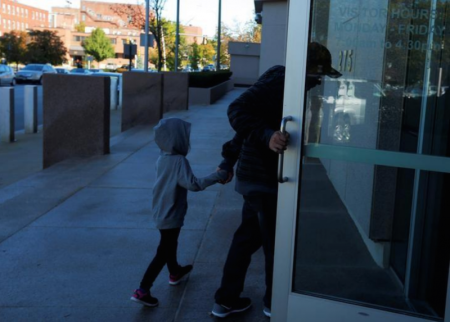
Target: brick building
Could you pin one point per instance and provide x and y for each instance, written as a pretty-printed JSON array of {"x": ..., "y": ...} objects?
[
  {"x": 92, "y": 15},
  {"x": 193, "y": 34},
  {"x": 17, "y": 16}
]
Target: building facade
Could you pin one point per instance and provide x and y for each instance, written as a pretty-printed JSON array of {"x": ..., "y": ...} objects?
[
  {"x": 118, "y": 28},
  {"x": 17, "y": 16}
]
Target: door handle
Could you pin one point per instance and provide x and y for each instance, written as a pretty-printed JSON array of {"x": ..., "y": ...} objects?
[
  {"x": 439, "y": 87},
  {"x": 281, "y": 178}
]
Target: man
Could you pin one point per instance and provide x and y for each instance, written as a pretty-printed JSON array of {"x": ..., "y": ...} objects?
[{"x": 256, "y": 116}]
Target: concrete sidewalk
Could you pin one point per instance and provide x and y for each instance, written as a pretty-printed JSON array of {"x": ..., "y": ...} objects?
[{"x": 76, "y": 238}]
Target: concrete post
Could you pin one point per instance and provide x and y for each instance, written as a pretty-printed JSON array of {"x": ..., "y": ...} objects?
[
  {"x": 7, "y": 114},
  {"x": 114, "y": 94},
  {"x": 120, "y": 94},
  {"x": 31, "y": 109}
]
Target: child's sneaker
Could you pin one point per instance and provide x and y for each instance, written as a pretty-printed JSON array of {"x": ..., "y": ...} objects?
[
  {"x": 184, "y": 271},
  {"x": 144, "y": 298}
]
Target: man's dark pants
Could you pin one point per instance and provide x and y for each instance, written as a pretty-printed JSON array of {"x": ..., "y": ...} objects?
[{"x": 257, "y": 229}]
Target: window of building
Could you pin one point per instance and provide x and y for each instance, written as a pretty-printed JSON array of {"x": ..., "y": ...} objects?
[
  {"x": 79, "y": 38},
  {"x": 18, "y": 11},
  {"x": 32, "y": 15},
  {"x": 113, "y": 41},
  {"x": 9, "y": 9},
  {"x": 9, "y": 24},
  {"x": 26, "y": 26},
  {"x": 83, "y": 17},
  {"x": 22, "y": 12},
  {"x": 13, "y": 25},
  {"x": 4, "y": 23},
  {"x": 23, "y": 26},
  {"x": 13, "y": 11},
  {"x": 4, "y": 7},
  {"x": 26, "y": 13}
]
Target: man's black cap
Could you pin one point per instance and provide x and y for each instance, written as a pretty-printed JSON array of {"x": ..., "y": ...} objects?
[{"x": 319, "y": 61}]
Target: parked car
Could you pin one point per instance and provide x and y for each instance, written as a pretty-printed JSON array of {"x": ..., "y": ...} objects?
[
  {"x": 111, "y": 66},
  {"x": 187, "y": 69},
  {"x": 209, "y": 68},
  {"x": 33, "y": 73},
  {"x": 81, "y": 71},
  {"x": 95, "y": 70},
  {"x": 62, "y": 71},
  {"x": 6, "y": 75}
]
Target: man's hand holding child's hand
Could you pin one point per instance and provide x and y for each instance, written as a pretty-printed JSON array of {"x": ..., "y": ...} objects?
[{"x": 225, "y": 176}]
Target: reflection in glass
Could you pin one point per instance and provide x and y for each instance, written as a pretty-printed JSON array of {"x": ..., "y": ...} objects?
[{"x": 373, "y": 234}]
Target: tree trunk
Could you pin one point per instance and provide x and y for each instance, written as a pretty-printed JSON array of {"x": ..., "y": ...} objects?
[{"x": 163, "y": 44}]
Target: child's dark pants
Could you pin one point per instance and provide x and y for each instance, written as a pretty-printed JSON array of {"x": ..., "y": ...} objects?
[{"x": 166, "y": 254}]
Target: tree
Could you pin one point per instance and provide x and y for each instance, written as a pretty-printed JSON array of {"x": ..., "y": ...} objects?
[
  {"x": 13, "y": 46},
  {"x": 170, "y": 32},
  {"x": 207, "y": 53},
  {"x": 136, "y": 18},
  {"x": 98, "y": 46},
  {"x": 194, "y": 57},
  {"x": 81, "y": 27},
  {"x": 46, "y": 47}
]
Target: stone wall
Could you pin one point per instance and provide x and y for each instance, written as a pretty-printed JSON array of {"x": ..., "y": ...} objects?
[
  {"x": 76, "y": 117},
  {"x": 142, "y": 99},
  {"x": 207, "y": 96},
  {"x": 176, "y": 92}
]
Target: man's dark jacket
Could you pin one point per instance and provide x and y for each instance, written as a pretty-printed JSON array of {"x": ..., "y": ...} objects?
[{"x": 255, "y": 116}]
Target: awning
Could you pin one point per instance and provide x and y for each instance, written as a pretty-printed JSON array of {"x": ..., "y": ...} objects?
[{"x": 76, "y": 51}]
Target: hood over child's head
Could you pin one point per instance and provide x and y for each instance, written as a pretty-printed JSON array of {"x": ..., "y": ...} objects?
[{"x": 172, "y": 136}]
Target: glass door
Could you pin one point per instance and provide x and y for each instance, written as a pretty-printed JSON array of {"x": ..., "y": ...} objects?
[{"x": 363, "y": 230}]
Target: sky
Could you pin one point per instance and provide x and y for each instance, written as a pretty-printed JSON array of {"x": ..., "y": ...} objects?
[{"x": 202, "y": 13}]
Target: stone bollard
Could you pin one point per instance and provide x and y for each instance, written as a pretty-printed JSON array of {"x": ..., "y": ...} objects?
[
  {"x": 76, "y": 122},
  {"x": 7, "y": 114},
  {"x": 142, "y": 99},
  {"x": 31, "y": 109},
  {"x": 119, "y": 105},
  {"x": 114, "y": 96}
]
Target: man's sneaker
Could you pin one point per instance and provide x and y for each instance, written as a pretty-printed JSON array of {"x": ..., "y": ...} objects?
[
  {"x": 267, "y": 312},
  {"x": 223, "y": 310},
  {"x": 144, "y": 298},
  {"x": 184, "y": 271}
]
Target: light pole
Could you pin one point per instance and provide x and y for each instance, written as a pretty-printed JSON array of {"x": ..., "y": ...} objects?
[
  {"x": 219, "y": 36},
  {"x": 147, "y": 18},
  {"x": 177, "y": 41}
]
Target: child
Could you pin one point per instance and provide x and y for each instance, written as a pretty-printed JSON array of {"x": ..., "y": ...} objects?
[{"x": 174, "y": 178}]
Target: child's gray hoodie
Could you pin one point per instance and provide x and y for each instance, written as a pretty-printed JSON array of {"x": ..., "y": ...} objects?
[{"x": 174, "y": 176}]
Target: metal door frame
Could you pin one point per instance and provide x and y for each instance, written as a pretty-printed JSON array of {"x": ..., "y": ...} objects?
[{"x": 287, "y": 305}]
